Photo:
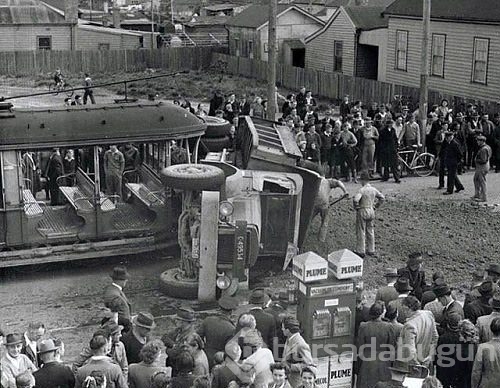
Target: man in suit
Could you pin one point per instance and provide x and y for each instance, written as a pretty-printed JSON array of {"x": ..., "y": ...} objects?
[
  {"x": 403, "y": 288},
  {"x": 480, "y": 306},
  {"x": 55, "y": 169},
  {"x": 297, "y": 353},
  {"x": 31, "y": 338},
  {"x": 216, "y": 330},
  {"x": 451, "y": 306},
  {"x": 419, "y": 336},
  {"x": 413, "y": 271},
  {"x": 451, "y": 158},
  {"x": 266, "y": 323},
  {"x": 388, "y": 293},
  {"x": 115, "y": 299},
  {"x": 484, "y": 322},
  {"x": 53, "y": 373}
]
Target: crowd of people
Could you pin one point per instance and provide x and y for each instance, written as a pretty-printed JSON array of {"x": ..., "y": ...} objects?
[{"x": 411, "y": 323}]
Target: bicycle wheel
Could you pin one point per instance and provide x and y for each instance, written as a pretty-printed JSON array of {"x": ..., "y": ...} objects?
[
  {"x": 68, "y": 90},
  {"x": 54, "y": 89},
  {"x": 424, "y": 164}
]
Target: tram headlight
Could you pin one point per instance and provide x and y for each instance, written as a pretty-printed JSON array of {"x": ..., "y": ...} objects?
[
  {"x": 223, "y": 281},
  {"x": 226, "y": 209}
]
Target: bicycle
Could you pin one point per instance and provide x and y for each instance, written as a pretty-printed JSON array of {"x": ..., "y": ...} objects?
[
  {"x": 60, "y": 87},
  {"x": 414, "y": 162}
]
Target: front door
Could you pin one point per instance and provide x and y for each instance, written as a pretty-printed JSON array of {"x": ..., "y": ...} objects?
[{"x": 299, "y": 57}]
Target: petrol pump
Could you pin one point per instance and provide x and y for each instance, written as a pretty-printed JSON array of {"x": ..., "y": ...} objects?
[{"x": 326, "y": 306}]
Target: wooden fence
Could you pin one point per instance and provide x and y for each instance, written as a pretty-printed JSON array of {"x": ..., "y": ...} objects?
[
  {"x": 336, "y": 85},
  {"x": 30, "y": 63}
]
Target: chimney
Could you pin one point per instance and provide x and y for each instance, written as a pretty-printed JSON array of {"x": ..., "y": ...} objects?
[
  {"x": 71, "y": 11},
  {"x": 116, "y": 16}
]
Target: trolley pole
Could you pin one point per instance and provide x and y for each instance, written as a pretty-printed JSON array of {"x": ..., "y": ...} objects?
[
  {"x": 271, "y": 62},
  {"x": 424, "y": 69}
]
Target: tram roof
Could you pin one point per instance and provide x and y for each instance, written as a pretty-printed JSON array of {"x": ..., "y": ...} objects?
[{"x": 96, "y": 124}]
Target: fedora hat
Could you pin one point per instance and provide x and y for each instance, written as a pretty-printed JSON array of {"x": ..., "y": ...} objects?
[
  {"x": 391, "y": 272},
  {"x": 441, "y": 290},
  {"x": 400, "y": 366},
  {"x": 120, "y": 273},
  {"x": 486, "y": 288},
  {"x": 145, "y": 320},
  {"x": 259, "y": 296},
  {"x": 495, "y": 301},
  {"x": 228, "y": 303},
  {"x": 47, "y": 346},
  {"x": 403, "y": 285},
  {"x": 112, "y": 327},
  {"x": 494, "y": 268},
  {"x": 186, "y": 314},
  {"x": 13, "y": 339}
]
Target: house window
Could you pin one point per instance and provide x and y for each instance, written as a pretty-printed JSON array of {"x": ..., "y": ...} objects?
[
  {"x": 401, "y": 49},
  {"x": 44, "y": 42},
  {"x": 237, "y": 47},
  {"x": 480, "y": 60},
  {"x": 103, "y": 46},
  {"x": 437, "y": 60},
  {"x": 338, "y": 48},
  {"x": 250, "y": 49}
]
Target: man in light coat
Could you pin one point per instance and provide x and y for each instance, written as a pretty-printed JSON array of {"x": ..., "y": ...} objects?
[
  {"x": 486, "y": 367},
  {"x": 13, "y": 363},
  {"x": 297, "y": 353},
  {"x": 419, "y": 336},
  {"x": 484, "y": 322}
]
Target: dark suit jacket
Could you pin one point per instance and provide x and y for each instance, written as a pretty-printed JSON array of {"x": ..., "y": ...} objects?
[
  {"x": 453, "y": 309},
  {"x": 387, "y": 294},
  {"x": 244, "y": 108},
  {"x": 55, "y": 167},
  {"x": 116, "y": 301},
  {"x": 266, "y": 324},
  {"x": 216, "y": 330},
  {"x": 476, "y": 309},
  {"x": 54, "y": 374},
  {"x": 452, "y": 153},
  {"x": 417, "y": 281}
]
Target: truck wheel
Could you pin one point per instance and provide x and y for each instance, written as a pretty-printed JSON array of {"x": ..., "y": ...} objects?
[
  {"x": 173, "y": 284},
  {"x": 216, "y": 127},
  {"x": 193, "y": 177},
  {"x": 216, "y": 144}
]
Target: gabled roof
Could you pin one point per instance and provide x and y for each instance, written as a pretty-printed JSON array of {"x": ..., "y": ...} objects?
[
  {"x": 28, "y": 12},
  {"x": 367, "y": 18},
  {"x": 325, "y": 3},
  {"x": 207, "y": 21},
  {"x": 463, "y": 10},
  {"x": 362, "y": 18},
  {"x": 257, "y": 15}
]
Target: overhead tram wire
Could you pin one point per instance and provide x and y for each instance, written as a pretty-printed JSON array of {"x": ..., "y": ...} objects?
[{"x": 95, "y": 86}]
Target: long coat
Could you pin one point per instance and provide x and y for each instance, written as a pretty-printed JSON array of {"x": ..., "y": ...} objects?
[
  {"x": 486, "y": 368},
  {"x": 371, "y": 368},
  {"x": 266, "y": 324},
  {"x": 419, "y": 336},
  {"x": 116, "y": 301},
  {"x": 387, "y": 145},
  {"x": 216, "y": 330}
]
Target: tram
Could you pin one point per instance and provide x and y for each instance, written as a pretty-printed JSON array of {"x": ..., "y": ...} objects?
[{"x": 82, "y": 219}]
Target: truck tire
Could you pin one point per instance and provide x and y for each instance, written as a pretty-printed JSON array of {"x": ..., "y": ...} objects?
[
  {"x": 193, "y": 177},
  {"x": 216, "y": 127},
  {"x": 216, "y": 144},
  {"x": 172, "y": 284}
]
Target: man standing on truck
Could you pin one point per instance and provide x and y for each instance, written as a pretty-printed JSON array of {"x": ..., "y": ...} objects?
[
  {"x": 367, "y": 199},
  {"x": 114, "y": 165}
]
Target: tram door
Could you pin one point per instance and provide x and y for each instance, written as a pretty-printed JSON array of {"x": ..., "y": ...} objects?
[
  {"x": 2, "y": 208},
  {"x": 11, "y": 230}
]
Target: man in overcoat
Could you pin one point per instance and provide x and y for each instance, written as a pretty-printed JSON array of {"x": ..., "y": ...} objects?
[{"x": 116, "y": 300}]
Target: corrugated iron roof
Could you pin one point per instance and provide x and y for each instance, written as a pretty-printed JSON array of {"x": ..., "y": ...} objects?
[
  {"x": 28, "y": 12},
  {"x": 462, "y": 10}
]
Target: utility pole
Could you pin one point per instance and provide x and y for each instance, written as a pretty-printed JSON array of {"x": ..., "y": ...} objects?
[
  {"x": 424, "y": 68},
  {"x": 271, "y": 62},
  {"x": 152, "y": 27}
]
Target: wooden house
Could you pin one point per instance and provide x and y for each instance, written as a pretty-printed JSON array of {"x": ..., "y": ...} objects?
[
  {"x": 248, "y": 33},
  {"x": 464, "y": 49},
  {"x": 352, "y": 42}
]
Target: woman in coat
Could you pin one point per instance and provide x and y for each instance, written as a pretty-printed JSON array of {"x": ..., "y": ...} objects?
[
  {"x": 373, "y": 368},
  {"x": 140, "y": 375},
  {"x": 486, "y": 368}
]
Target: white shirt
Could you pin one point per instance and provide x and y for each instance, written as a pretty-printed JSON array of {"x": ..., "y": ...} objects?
[
  {"x": 117, "y": 286},
  {"x": 30, "y": 343}
]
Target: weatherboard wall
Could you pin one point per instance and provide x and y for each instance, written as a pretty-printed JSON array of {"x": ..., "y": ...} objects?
[
  {"x": 93, "y": 40},
  {"x": 24, "y": 37},
  {"x": 319, "y": 49},
  {"x": 459, "y": 50}
]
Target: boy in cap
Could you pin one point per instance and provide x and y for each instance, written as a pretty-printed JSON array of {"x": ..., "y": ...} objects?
[
  {"x": 366, "y": 200},
  {"x": 482, "y": 161}
]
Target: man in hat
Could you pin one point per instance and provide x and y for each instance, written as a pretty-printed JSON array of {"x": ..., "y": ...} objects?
[
  {"x": 399, "y": 371},
  {"x": 52, "y": 373},
  {"x": 484, "y": 322},
  {"x": 266, "y": 323},
  {"x": 102, "y": 363},
  {"x": 428, "y": 295},
  {"x": 388, "y": 293},
  {"x": 115, "y": 299},
  {"x": 480, "y": 306},
  {"x": 369, "y": 135},
  {"x": 403, "y": 288},
  {"x": 411, "y": 133},
  {"x": 435, "y": 306},
  {"x": 35, "y": 333},
  {"x": 413, "y": 271},
  {"x": 296, "y": 353},
  {"x": 217, "y": 329},
  {"x": 482, "y": 161},
  {"x": 55, "y": 169},
  {"x": 184, "y": 326},
  {"x": 452, "y": 156},
  {"x": 387, "y": 149},
  {"x": 473, "y": 294},
  {"x": 117, "y": 352},
  {"x": 419, "y": 334},
  {"x": 13, "y": 362},
  {"x": 451, "y": 306},
  {"x": 135, "y": 339}
]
